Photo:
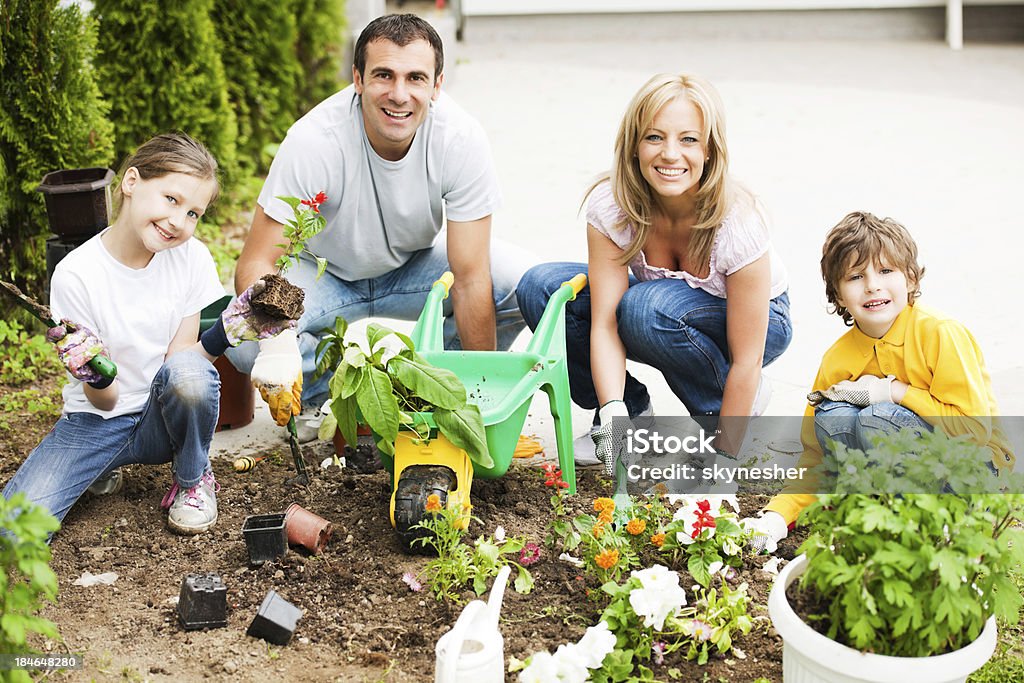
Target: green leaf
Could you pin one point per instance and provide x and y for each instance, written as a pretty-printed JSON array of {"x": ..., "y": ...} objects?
[
  {"x": 321, "y": 266},
  {"x": 698, "y": 566},
  {"x": 344, "y": 411},
  {"x": 524, "y": 581},
  {"x": 327, "y": 427},
  {"x": 436, "y": 385},
  {"x": 465, "y": 428},
  {"x": 377, "y": 403},
  {"x": 374, "y": 333}
]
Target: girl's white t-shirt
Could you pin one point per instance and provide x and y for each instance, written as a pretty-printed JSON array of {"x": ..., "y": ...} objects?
[
  {"x": 135, "y": 313},
  {"x": 742, "y": 239}
]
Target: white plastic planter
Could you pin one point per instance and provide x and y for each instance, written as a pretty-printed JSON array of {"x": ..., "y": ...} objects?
[{"x": 810, "y": 657}]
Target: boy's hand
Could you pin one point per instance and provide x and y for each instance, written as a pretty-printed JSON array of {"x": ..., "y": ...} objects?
[
  {"x": 75, "y": 348},
  {"x": 277, "y": 373},
  {"x": 768, "y": 530},
  {"x": 864, "y": 391},
  {"x": 242, "y": 323}
]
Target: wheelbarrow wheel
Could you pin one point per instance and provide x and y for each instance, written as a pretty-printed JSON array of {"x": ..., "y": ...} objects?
[{"x": 416, "y": 484}]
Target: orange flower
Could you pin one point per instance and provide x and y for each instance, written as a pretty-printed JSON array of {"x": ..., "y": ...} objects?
[
  {"x": 605, "y": 516},
  {"x": 602, "y": 504},
  {"x": 607, "y": 559},
  {"x": 598, "y": 528},
  {"x": 433, "y": 503},
  {"x": 658, "y": 540},
  {"x": 636, "y": 526}
]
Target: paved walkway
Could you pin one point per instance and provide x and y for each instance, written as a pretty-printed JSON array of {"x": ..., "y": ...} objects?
[{"x": 905, "y": 129}]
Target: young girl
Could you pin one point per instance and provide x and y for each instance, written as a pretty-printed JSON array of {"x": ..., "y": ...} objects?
[
  {"x": 134, "y": 293},
  {"x": 682, "y": 274}
]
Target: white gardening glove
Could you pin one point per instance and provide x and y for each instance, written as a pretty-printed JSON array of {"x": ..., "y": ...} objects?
[
  {"x": 277, "y": 373},
  {"x": 769, "y": 529},
  {"x": 864, "y": 391},
  {"x": 610, "y": 438}
]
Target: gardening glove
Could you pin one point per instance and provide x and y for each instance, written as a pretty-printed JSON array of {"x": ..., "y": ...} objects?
[
  {"x": 610, "y": 437},
  {"x": 864, "y": 391},
  {"x": 76, "y": 346},
  {"x": 769, "y": 529},
  {"x": 239, "y": 323},
  {"x": 277, "y": 373}
]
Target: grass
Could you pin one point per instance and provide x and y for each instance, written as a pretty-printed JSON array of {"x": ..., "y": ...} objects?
[{"x": 1008, "y": 662}]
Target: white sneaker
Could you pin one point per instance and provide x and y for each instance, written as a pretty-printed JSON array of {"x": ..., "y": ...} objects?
[
  {"x": 193, "y": 510},
  {"x": 583, "y": 449},
  {"x": 107, "y": 485}
]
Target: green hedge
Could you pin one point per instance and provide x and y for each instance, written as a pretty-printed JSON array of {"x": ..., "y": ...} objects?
[
  {"x": 51, "y": 117},
  {"x": 322, "y": 31}
]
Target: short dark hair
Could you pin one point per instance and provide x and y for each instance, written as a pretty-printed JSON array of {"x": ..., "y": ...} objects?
[
  {"x": 400, "y": 29},
  {"x": 862, "y": 238}
]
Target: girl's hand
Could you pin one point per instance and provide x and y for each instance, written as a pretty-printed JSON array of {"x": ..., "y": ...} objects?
[
  {"x": 242, "y": 323},
  {"x": 76, "y": 346}
]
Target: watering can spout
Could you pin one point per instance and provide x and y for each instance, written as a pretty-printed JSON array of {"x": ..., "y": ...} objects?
[
  {"x": 497, "y": 595},
  {"x": 478, "y": 623}
]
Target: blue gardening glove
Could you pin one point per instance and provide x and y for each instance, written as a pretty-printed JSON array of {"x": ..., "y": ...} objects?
[
  {"x": 863, "y": 391},
  {"x": 242, "y": 323},
  {"x": 76, "y": 346}
]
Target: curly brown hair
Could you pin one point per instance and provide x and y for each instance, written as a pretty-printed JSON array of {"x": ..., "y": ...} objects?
[{"x": 859, "y": 238}]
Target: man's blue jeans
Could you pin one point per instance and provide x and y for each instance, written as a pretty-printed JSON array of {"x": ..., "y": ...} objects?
[
  {"x": 176, "y": 424},
  {"x": 399, "y": 294},
  {"x": 663, "y": 323}
]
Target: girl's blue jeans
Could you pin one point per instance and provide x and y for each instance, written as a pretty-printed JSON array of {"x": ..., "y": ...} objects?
[
  {"x": 662, "y": 323},
  {"x": 176, "y": 424},
  {"x": 399, "y": 294}
]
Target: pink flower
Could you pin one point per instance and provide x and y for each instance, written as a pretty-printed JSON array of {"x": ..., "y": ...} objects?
[
  {"x": 658, "y": 652},
  {"x": 529, "y": 554},
  {"x": 410, "y": 580}
]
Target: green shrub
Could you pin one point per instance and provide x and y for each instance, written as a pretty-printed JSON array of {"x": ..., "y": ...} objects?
[
  {"x": 160, "y": 68},
  {"x": 51, "y": 117},
  {"x": 262, "y": 66},
  {"x": 322, "y": 31},
  {"x": 25, "y": 356},
  {"x": 26, "y": 580}
]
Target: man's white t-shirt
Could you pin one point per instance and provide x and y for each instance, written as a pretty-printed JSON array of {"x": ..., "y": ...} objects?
[
  {"x": 135, "y": 313},
  {"x": 379, "y": 212}
]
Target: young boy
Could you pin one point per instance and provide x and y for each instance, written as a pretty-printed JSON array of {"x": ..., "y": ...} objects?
[{"x": 900, "y": 366}]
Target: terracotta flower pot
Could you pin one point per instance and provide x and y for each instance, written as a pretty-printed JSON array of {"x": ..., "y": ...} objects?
[{"x": 307, "y": 529}]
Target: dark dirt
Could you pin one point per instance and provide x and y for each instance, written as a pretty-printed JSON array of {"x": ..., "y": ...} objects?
[
  {"x": 279, "y": 300},
  {"x": 360, "y": 621}
]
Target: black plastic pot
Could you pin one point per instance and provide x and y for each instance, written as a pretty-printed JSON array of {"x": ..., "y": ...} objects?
[
  {"x": 203, "y": 602},
  {"x": 275, "y": 622},
  {"x": 77, "y": 201},
  {"x": 56, "y": 249},
  {"x": 265, "y": 537}
]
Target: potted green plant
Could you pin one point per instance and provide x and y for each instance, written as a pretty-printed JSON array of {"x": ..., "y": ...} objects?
[
  {"x": 395, "y": 389},
  {"x": 899, "y": 585}
]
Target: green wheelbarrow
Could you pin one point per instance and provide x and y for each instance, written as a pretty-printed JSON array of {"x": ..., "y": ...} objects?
[{"x": 502, "y": 384}]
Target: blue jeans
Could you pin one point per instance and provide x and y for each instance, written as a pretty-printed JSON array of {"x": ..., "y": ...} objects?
[
  {"x": 662, "y": 323},
  {"x": 857, "y": 426},
  {"x": 399, "y": 294},
  {"x": 176, "y": 424}
]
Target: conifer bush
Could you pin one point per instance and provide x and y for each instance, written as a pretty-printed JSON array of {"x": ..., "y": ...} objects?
[
  {"x": 52, "y": 116},
  {"x": 322, "y": 31},
  {"x": 160, "y": 68}
]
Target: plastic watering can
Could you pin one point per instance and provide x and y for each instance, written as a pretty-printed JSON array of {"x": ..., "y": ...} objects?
[{"x": 473, "y": 651}]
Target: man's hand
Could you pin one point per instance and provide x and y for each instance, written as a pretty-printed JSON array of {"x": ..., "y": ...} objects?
[
  {"x": 76, "y": 346},
  {"x": 277, "y": 373},
  {"x": 769, "y": 529},
  {"x": 242, "y": 323},
  {"x": 864, "y": 391}
]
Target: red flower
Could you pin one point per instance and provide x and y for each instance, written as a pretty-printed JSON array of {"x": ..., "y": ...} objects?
[
  {"x": 553, "y": 476},
  {"x": 529, "y": 554},
  {"x": 315, "y": 202}
]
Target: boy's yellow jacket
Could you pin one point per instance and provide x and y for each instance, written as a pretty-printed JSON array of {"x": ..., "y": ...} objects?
[{"x": 949, "y": 387}]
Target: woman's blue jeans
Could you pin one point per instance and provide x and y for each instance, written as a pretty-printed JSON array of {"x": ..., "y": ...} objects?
[
  {"x": 176, "y": 424},
  {"x": 662, "y": 323}
]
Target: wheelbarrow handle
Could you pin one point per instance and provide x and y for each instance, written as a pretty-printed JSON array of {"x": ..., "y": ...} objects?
[
  {"x": 578, "y": 282},
  {"x": 447, "y": 279}
]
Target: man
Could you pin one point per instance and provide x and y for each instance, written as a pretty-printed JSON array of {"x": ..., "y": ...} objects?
[{"x": 396, "y": 157}]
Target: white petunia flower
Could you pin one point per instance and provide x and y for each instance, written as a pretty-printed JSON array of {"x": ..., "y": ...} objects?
[
  {"x": 596, "y": 644},
  {"x": 541, "y": 669},
  {"x": 658, "y": 597},
  {"x": 499, "y": 534}
]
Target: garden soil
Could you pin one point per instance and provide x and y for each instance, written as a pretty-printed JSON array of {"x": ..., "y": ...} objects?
[{"x": 360, "y": 621}]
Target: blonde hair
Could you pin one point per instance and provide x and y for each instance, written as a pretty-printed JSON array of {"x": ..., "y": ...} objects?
[
  {"x": 169, "y": 153},
  {"x": 716, "y": 193},
  {"x": 860, "y": 238}
]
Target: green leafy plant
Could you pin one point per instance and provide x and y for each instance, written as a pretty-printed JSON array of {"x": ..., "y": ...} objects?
[
  {"x": 909, "y": 574},
  {"x": 41, "y": 406},
  {"x": 393, "y": 390},
  {"x": 25, "y": 356},
  {"x": 458, "y": 564},
  {"x": 707, "y": 532},
  {"x": 26, "y": 580},
  {"x": 305, "y": 223}
]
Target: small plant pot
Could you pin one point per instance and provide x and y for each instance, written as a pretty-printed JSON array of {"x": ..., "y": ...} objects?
[
  {"x": 202, "y": 602},
  {"x": 307, "y": 529},
  {"x": 810, "y": 656},
  {"x": 265, "y": 538},
  {"x": 275, "y": 621},
  {"x": 77, "y": 201}
]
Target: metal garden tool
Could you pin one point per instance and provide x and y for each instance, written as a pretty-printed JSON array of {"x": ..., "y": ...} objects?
[
  {"x": 300, "y": 465},
  {"x": 101, "y": 364}
]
